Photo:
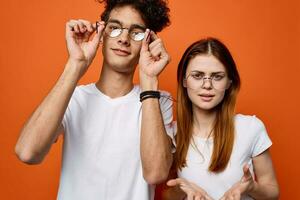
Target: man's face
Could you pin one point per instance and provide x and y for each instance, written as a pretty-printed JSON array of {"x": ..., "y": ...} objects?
[{"x": 121, "y": 52}]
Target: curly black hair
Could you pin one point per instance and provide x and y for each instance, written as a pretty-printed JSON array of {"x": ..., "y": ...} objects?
[{"x": 155, "y": 13}]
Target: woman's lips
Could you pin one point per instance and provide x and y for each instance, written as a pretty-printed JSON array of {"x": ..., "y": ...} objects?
[
  {"x": 206, "y": 97},
  {"x": 121, "y": 52}
]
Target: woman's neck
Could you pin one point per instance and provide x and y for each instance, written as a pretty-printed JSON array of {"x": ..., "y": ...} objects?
[{"x": 203, "y": 122}]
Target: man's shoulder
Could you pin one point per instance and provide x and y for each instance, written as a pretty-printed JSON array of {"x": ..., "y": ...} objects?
[{"x": 87, "y": 89}]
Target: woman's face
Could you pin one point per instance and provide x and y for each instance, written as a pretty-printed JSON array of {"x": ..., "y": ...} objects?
[{"x": 206, "y": 81}]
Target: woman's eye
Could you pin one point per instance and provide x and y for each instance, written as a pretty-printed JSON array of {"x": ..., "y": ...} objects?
[
  {"x": 218, "y": 77},
  {"x": 197, "y": 76}
]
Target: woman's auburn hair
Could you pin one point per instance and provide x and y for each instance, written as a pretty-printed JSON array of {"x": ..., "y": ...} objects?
[{"x": 223, "y": 129}]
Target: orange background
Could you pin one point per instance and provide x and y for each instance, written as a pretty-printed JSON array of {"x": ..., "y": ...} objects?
[{"x": 263, "y": 36}]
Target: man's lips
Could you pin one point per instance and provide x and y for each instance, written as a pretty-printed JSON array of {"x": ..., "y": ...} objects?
[{"x": 121, "y": 52}]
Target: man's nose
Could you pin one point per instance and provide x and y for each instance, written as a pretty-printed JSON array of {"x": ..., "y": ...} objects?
[{"x": 124, "y": 37}]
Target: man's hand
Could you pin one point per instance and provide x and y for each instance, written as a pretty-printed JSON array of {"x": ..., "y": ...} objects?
[
  {"x": 245, "y": 185},
  {"x": 153, "y": 59},
  {"x": 192, "y": 191},
  {"x": 81, "y": 49}
]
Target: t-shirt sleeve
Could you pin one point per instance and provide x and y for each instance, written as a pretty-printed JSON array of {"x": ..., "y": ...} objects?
[
  {"x": 67, "y": 115},
  {"x": 261, "y": 140},
  {"x": 65, "y": 118},
  {"x": 166, "y": 106}
]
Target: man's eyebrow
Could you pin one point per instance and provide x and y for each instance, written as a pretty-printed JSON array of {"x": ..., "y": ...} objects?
[
  {"x": 114, "y": 21},
  {"x": 138, "y": 26},
  {"x": 132, "y": 26}
]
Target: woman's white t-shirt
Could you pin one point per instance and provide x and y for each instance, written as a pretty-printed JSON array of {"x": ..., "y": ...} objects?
[{"x": 251, "y": 139}]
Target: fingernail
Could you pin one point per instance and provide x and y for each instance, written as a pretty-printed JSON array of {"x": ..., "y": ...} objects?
[
  {"x": 148, "y": 36},
  {"x": 97, "y": 27}
]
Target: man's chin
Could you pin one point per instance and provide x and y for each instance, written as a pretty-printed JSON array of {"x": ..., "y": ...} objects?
[{"x": 123, "y": 67}]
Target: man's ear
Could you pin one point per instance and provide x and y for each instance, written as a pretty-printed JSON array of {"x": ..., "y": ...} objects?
[{"x": 184, "y": 83}]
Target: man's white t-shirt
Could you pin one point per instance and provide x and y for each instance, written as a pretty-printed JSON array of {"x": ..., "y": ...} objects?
[
  {"x": 101, "y": 149},
  {"x": 251, "y": 139}
]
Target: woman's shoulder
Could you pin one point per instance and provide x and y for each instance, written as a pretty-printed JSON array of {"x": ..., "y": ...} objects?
[
  {"x": 249, "y": 120},
  {"x": 251, "y": 130},
  {"x": 249, "y": 124}
]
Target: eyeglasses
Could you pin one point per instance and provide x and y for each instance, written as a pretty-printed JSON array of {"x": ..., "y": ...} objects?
[
  {"x": 136, "y": 33},
  {"x": 218, "y": 80}
]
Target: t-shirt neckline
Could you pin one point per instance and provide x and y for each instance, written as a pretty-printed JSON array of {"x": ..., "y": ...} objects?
[{"x": 121, "y": 98}]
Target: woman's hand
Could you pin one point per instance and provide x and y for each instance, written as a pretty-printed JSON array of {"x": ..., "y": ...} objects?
[
  {"x": 244, "y": 186},
  {"x": 192, "y": 191}
]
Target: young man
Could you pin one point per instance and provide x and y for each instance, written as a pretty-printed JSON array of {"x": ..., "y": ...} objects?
[{"x": 115, "y": 133}]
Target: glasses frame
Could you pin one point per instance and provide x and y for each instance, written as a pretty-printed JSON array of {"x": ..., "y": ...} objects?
[
  {"x": 121, "y": 31},
  {"x": 210, "y": 78}
]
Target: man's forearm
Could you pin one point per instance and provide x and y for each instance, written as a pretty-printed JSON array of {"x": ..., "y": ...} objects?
[
  {"x": 41, "y": 129},
  {"x": 155, "y": 145}
]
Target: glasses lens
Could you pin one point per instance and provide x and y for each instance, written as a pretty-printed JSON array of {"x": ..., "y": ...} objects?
[
  {"x": 113, "y": 29},
  {"x": 137, "y": 36},
  {"x": 115, "y": 32},
  {"x": 220, "y": 84}
]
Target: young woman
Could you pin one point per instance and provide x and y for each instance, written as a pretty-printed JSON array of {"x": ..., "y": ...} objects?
[{"x": 219, "y": 154}]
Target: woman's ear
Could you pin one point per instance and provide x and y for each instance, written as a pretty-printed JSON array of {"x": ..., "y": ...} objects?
[
  {"x": 184, "y": 83},
  {"x": 229, "y": 84}
]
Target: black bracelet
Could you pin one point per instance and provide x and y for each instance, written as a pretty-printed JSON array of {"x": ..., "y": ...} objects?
[{"x": 149, "y": 94}]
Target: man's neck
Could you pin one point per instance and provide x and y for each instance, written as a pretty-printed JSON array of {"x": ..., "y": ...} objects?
[{"x": 114, "y": 84}]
